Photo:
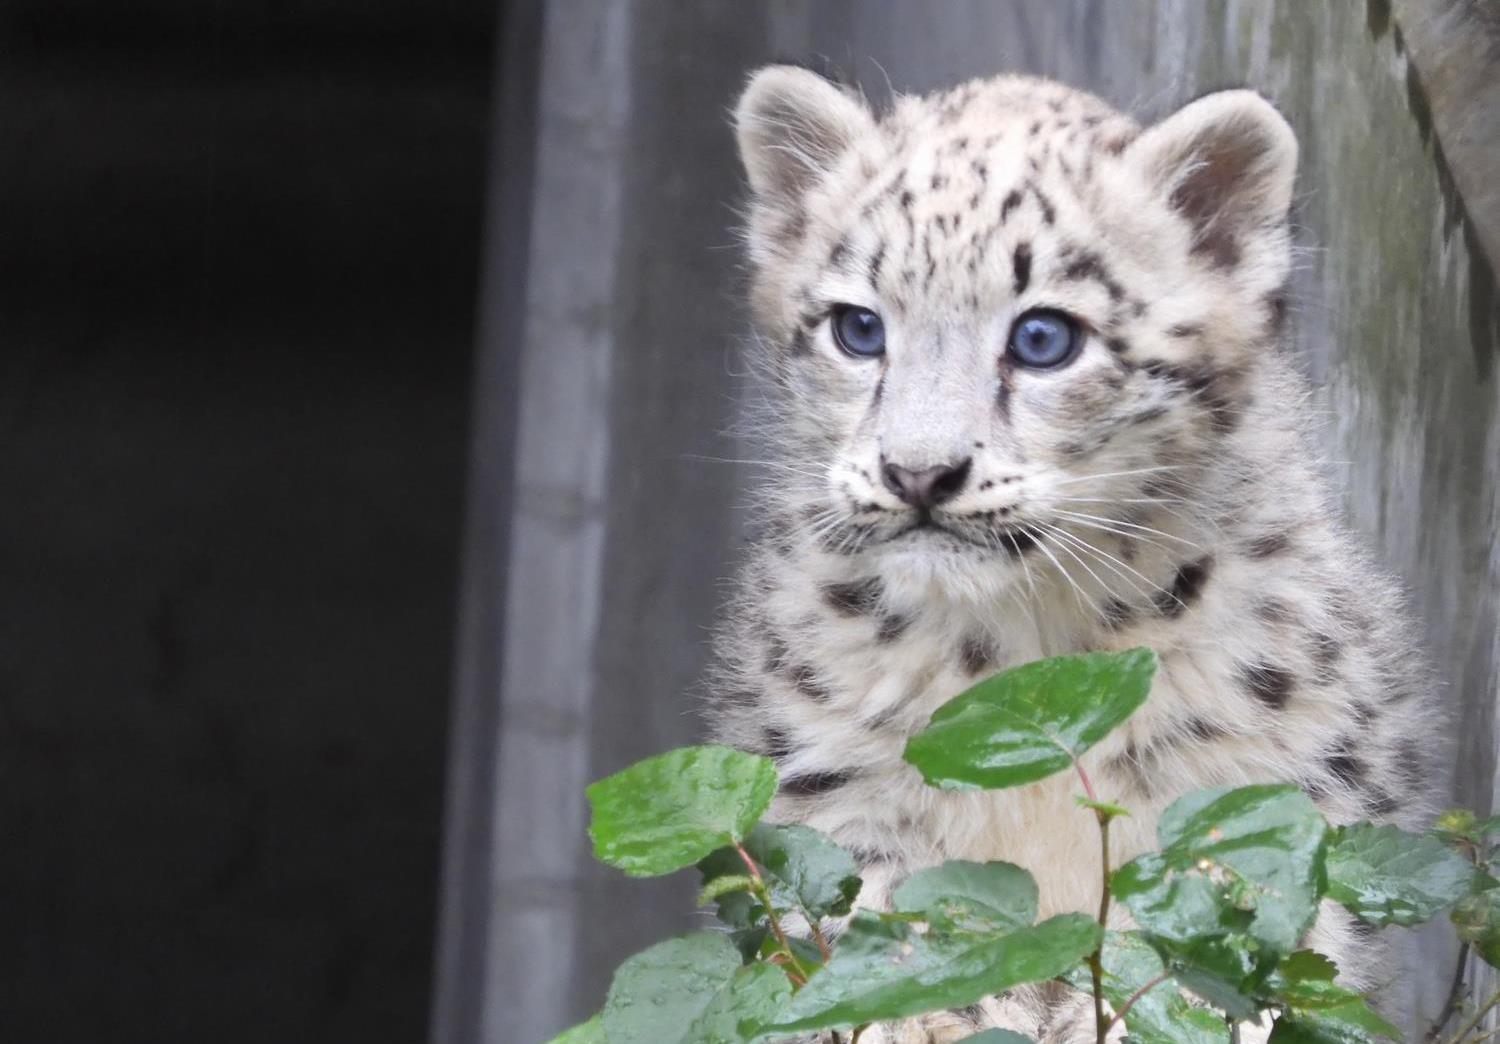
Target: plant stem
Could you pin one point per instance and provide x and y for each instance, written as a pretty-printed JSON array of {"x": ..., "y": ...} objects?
[
  {"x": 780, "y": 959},
  {"x": 820, "y": 938},
  {"x": 1454, "y": 992},
  {"x": 1096, "y": 973},
  {"x": 764, "y": 895},
  {"x": 1137, "y": 995},
  {"x": 1476, "y": 1018},
  {"x": 1083, "y": 777},
  {"x": 1096, "y": 959},
  {"x": 1104, "y": 860}
]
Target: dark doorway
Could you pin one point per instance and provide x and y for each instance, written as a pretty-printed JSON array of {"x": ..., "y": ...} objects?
[{"x": 237, "y": 268}]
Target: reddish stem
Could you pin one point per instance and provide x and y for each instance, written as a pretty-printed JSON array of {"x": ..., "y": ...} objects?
[
  {"x": 820, "y": 939},
  {"x": 764, "y": 895},
  {"x": 1137, "y": 995},
  {"x": 1088, "y": 787},
  {"x": 781, "y": 961}
]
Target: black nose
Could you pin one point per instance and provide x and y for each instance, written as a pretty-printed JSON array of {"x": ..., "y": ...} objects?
[{"x": 926, "y": 488}]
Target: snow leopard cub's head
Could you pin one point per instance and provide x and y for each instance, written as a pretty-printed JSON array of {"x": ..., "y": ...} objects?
[{"x": 994, "y": 310}]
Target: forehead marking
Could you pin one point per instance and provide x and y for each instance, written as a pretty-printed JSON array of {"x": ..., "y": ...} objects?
[
  {"x": 839, "y": 253},
  {"x": 1021, "y": 263},
  {"x": 1012, "y": 201},
  {"x": 1088, "y": 265},
  {"x": 874, "y": 267},
  {"x": 1049, "y": 214}
]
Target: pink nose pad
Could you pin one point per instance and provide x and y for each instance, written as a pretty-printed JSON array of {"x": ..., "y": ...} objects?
[{"x": 928, "y": 487}]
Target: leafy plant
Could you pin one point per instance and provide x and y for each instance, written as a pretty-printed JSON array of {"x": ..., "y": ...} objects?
[{"x": 1221, "y": 908}]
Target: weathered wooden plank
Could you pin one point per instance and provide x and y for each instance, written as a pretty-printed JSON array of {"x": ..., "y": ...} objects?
[{"x": 1455, "y": 52}]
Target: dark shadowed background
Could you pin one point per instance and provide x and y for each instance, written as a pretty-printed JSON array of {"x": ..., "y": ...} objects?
[
  {"x": 366, "y": 367},
  {"x": 237, "y": 276}
]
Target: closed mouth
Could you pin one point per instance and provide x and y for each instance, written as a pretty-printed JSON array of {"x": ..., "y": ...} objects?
[
  {"x": 925, "y": 521},
  {"x": 1012, "y": 539}
]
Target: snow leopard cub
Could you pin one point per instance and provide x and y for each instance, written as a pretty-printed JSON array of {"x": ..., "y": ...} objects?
[{"x": 1030, "y": 397}]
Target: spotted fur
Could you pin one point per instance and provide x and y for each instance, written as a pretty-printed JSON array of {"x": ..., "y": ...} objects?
[{"x": 1159, "y": 490}]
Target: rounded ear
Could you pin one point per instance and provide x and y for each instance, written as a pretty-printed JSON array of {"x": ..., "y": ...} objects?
[
  {"x": 1226, "y": 163},
  {"x": 792, "y": 126}
]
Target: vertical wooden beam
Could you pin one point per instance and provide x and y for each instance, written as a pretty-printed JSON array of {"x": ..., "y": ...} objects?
[
  {"x": 532, "y": 574},
  {"x": 465, "y": 920},
  {"x": 1455, "y": 50}
]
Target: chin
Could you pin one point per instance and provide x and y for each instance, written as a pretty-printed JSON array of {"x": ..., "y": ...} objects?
[{"x": 925, "y": 564}]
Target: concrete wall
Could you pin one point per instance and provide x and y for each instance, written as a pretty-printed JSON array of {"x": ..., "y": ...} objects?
[{"x": 630, "y": 370}]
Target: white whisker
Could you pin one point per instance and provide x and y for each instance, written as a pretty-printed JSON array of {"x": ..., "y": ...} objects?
[
  {"x": 1119, "y": 474},
  {"x": 1110, "y": 562},
  {"x": 1077, "y": 591},
  {"x": 1025, "y": 568},
  {"x": 1079, "y": 516},
  {"x": 1118, "y": 532},
  {"x": 1121, "y": 500},
  {"x": 1063, "y": 547}
]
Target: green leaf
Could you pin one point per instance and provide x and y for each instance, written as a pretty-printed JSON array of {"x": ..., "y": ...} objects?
[
  {"x": 1384, "y": 875},
  {"x": 667, "y": 986},
  {"x": 1350, "y": 1023},
  {"x": 807, "y": 953},
  {"x": 748, "y": 941},
  {"x": 1303, "y": 985},
  {"x": 803, "y": 869},
  {"x": 1233, "y": 889},
  {"x": 1477, "y": 918},
  {"x": 1458, "y": 824},
  {"x": 693, "y": 990},
  {"x": 590, "y": 1032},
  {"x": 817, "y": 874},
  {"x": 998, "y": 1036},
  {"x": 887, "y": 969},
  {"x": 741, "y": 910},
  {"x": 1222, "y": 971},
  {"x": 739, "y": 1014},
  {"x": 972, "y": 896},
  {"x": 722, "y": 886},
  {"x": 1306, "y": 966},
  {"x": 1161, "y": 1015},
  {"x": 670, "y": 811},
  {"x": 1032, "y": 721},
  {"x": 737, "y": 909},
  {"x": 1108, "y": 809}
]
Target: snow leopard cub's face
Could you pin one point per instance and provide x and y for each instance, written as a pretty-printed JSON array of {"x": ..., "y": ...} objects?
[{"x": 1004, "y": 309}]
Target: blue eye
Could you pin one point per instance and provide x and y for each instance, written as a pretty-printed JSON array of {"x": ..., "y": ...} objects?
[
  {"x": 858, "y": 331},
  {"x": 1043, "y": 339}
]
